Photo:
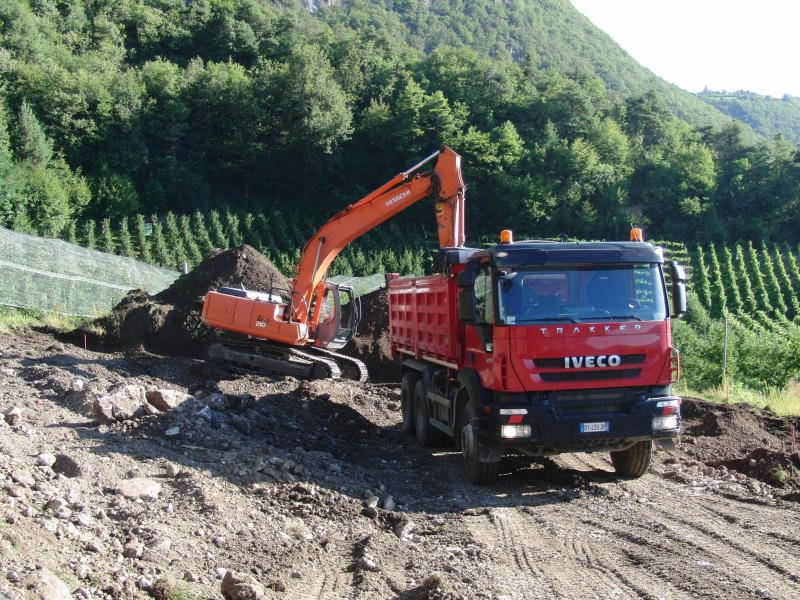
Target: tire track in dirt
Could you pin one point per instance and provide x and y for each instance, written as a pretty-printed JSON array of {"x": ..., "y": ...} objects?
[
  {"x": 759, "y": 527},
  {"x": 652, "y": 552},
  {"x": 699, "y": 542},
  {"x": 567, "y": 566},
  {"x": 745, "y": 563},
  {"x": 513, "y": 565},
  {"x": 761, "y": 554}
]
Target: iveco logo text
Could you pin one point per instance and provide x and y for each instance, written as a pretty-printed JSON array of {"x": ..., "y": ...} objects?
[
  {"x": 396, "y": 199},
  {"x": 590, "y": 362},
  {"x": 591, "y": 329}
]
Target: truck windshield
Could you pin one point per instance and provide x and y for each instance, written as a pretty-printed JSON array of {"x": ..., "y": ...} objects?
[{"x": 581, "y": 293}]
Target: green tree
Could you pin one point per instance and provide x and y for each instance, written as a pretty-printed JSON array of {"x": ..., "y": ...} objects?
[
  {"x": 107, "y": 242},
  {"x": 143, "y": 250},
  {"x": 125, "y": 240}
]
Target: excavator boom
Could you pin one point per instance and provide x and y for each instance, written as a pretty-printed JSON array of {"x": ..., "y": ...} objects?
[{"x": 312, "y": 317}]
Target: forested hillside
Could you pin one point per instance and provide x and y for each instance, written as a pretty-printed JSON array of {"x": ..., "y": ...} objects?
[
  {"x": 540, "y": 33},
  {"x": 112, "y": 109},
  {"x": 767, "y": 115}
]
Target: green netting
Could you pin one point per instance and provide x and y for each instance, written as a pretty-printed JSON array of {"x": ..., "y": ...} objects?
[
  {"x": 53, "y": 275},
  {"x": 362, "y": 285}
]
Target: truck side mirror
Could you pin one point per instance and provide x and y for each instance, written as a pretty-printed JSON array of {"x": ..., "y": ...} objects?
[
  {"x": 677, "y": 275},
  {"x": 466, "y": 279},
  {"x": 467, "y": 305}
]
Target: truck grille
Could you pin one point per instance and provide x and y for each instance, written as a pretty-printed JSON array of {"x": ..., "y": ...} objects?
[
  {"x": 592, "y": 375},
  {"x": 558, "y": 363}
]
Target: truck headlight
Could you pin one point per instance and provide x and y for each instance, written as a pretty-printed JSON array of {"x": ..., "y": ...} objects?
[
  {"x": 665, "y": 423},
  {"x": 515, "y": 431}
]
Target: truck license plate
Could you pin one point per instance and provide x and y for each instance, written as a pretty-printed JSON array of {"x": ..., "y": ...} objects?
[{"x": 594, "y": 427}]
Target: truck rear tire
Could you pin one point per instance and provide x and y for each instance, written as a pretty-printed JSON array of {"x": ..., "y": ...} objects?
[
  {"x": 427, "y": 434},
  {"x": 478, "y": 472},
  {"x": 633, "y": 462},
  {"x": 407, "y": 385}
]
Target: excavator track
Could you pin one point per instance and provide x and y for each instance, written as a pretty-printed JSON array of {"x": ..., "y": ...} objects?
[
  {"x": 353, "y": 367},
  {"x": 308, "y": 363}
]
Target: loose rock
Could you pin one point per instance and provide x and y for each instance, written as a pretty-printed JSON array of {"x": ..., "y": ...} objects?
[
  {"x": 166, "y": 400},
  {"x": 236, "y": 586},
  {"x": 139, "y": 488}
]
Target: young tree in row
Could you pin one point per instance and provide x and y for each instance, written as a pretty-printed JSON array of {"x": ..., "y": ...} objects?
[
  {"x": 107, "y": 242},
  {"x": 719, "y": 299},
  {"x": 89, "y": 234},
  {"x": 789, "y": 291},
  {"x": 161, "y": 251},
  {"x": 217, "y": 231},
  {"x": 192, "y": 248},
  {"x": 125, "y": 240},
  {"x": 175, "y": 240},
  {"x": 700, "y": 275},
  {"x": 232, "y": 231},
  {"x": 772, "y": 283},
  {"x": 745, "y": 284},
  {"x": 201, "y": 234},
  {"x": 729, "y": 281},
  {"x": 759, "y": 287},
  {"x": 142, "y": 244}
]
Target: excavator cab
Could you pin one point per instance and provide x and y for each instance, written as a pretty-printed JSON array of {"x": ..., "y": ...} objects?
[{"x": 340, "y": 313}]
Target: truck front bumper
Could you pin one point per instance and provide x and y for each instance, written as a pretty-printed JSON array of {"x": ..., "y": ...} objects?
[{"x": 546, "y": 426}]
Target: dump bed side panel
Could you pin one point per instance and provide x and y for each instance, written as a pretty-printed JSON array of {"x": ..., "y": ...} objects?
[{"x": 422, "y": 318}]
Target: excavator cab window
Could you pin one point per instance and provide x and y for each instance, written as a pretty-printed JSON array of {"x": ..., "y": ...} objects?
[{"x": 340, "y": 312}]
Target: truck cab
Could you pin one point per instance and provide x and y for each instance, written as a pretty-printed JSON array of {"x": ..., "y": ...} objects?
[{"x": 556, "y": 347}]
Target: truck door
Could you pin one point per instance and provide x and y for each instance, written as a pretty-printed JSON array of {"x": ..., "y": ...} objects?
[{"x": 478, "y": 336}]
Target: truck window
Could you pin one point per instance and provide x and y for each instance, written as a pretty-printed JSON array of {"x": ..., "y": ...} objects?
[
  {"x": 582, "y": 293},
  {"x": 483, "y": 295}
]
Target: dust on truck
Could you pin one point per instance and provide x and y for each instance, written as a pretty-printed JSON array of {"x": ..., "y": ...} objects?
[{"x": 540, "y": 348}]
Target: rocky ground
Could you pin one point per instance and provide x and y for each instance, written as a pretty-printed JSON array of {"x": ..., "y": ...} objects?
[{"x": 137, "y": 475}]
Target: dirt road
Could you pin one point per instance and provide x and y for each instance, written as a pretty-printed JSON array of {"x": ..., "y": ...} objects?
[{"x": 310, "y": 490}]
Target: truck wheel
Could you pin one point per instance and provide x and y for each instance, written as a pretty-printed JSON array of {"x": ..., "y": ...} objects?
[
  {"x": 407, "y": 385},
  {"x": 481, "y": 473},
  {"x": 427, "y": 434},
  {"x": 633, "y": 462}
]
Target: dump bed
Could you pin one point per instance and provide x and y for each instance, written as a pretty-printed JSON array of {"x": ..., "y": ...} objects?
[{"x": 423, "y": 320}]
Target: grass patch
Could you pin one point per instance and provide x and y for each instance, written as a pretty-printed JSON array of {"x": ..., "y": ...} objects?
[
  {"x": 169, "y": 589},
  {"x": 785, "y": 403},
  {"x": 13, "y": 319}
]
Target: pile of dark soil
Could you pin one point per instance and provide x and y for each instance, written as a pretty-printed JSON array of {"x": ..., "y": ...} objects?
[
  {"x": 169, "y": 322},
  {"x": 744, "y": 438},
  {"x": 371, "y": 343}
]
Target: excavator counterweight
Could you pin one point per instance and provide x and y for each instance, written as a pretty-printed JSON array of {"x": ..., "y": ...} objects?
[{"x": 307, "y": 323}]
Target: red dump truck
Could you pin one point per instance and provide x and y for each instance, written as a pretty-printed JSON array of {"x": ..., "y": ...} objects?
[{"x": 540, "y": 348}]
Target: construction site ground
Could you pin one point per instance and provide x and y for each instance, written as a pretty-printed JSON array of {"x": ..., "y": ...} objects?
[{"x": 311, "y": 490}]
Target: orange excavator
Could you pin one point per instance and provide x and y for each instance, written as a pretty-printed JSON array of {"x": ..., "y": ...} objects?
[{"x": 296, "y": 331}]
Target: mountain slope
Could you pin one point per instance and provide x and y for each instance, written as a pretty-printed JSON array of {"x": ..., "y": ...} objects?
[
  {"x": 766, "y": 115},
  {"x": 547, "y": 33}
]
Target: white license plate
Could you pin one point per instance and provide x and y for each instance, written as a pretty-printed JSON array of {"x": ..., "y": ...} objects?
[{"x": 594, "y": 427}]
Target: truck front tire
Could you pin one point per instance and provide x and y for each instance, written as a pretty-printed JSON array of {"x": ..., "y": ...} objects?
[
  {"x": 479, "y": 472},
  {"x": 427, "y": 434},
  {"x": 633, "y": 462},
  {"x": 407, "y": 385}
]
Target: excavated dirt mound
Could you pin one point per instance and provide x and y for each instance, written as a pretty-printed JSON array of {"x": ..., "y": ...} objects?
[
  {"x": 371, "y": 343},
  {"x": 170, "y": 321},
  {"x": 243, "y": 266},
  {"x": 742, "y": 438}
]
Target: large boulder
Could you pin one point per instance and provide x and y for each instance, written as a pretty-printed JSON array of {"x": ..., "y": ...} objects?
[
  {"x": 236, "y": 586},
  {"x": 123, "y": 403},
  {"x": 167, "y": 399}
]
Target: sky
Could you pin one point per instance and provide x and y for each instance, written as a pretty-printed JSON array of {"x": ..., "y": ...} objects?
[{"x": 727, "y": 45}]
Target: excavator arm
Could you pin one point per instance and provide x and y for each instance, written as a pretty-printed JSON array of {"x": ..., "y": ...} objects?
[{"x": 444, "y": 183}]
